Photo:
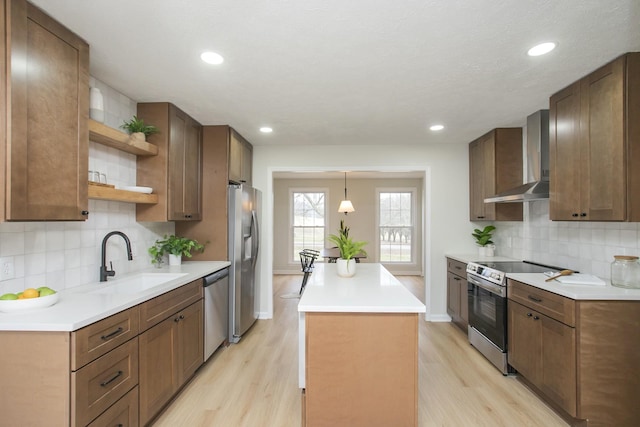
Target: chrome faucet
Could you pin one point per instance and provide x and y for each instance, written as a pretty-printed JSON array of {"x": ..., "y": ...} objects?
[{"x": 104, "y": 272}]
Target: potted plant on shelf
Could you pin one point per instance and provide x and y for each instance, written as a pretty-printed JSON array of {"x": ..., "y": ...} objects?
[
  {"x": 346, "y": 264},
  {"x": 176, "y": 247},
  {"x": 138, "y": 130},
  {"x": 483, "y": 240}
]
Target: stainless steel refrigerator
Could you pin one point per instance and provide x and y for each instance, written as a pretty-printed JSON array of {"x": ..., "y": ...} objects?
[{"x": 244, "y": 243}]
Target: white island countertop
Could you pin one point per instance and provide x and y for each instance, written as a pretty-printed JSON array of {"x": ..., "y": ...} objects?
[
  {"x": 577, "y": 292},
  {"x": 80, "y": 306},
  {"x": 372, "y": 290}
]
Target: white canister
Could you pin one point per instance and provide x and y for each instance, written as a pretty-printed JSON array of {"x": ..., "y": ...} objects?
[{"x": 96, "y": 105}]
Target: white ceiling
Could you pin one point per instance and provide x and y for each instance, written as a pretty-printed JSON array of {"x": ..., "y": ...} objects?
[{"x": 333, "y": 72}]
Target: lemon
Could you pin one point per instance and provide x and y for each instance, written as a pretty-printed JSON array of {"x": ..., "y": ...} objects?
[
  {"x": 9, "y": 297},
  {"x": 30, "y": 293}
]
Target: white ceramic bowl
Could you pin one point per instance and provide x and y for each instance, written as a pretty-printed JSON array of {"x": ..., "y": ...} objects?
[
  {"x": 9, "y": 306},
  {"x": 136, "y": 189}
]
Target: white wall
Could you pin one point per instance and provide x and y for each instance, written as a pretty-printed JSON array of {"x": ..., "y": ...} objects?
[
  {"x": 446, "y": 201},
  {"x": 67, "y": 254}
]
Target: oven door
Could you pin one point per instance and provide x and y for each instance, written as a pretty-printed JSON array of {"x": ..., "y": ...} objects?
[{"x": 488, "y": 310}]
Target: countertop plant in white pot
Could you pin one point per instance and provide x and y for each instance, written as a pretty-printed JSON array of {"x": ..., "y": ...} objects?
[
  {"x": 346, "y": 264},
  {"x": 483, "y": 240},
  {"x": 174, "y": 246}
]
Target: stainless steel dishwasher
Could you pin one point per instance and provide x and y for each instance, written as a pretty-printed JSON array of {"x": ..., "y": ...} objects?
[{"x": 216, "y": 310}]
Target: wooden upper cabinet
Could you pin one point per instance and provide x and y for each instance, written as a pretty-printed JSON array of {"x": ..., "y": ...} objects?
[
  {"x": 595, "y": 145},
  {"x": 175, "y": 174},
  {"x": 47, "y": 123},
  {"x": 495, "y": 165},
  {"x": 240, "y": 158}
]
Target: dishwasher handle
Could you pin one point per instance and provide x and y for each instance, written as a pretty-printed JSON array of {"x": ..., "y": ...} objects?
[{"x": 216, "y": 277}]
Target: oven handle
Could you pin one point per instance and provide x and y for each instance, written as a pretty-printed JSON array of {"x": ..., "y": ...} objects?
[{"x": 488, "y": 286}]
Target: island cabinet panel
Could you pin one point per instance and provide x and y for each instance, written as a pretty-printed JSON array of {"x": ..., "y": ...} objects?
[
  {"x": 495, "y": 165},
  {"x": 594, "y": 145},
  {"x": 361, "y": 369},
  {"x": 46, "y": 152}
]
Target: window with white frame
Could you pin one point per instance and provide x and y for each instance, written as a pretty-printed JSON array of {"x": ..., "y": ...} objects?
[
  {"x": 396, "y": 225},
  {"x": 307, "y": 221}
]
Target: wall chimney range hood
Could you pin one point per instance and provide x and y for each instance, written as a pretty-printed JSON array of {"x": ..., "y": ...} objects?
[{"x": 537, "y": 186}]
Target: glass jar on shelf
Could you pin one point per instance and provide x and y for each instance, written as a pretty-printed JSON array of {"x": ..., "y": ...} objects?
[{"x": 625, "y": 271}]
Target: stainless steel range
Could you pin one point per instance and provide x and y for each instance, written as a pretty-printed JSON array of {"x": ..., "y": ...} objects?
[{"x": 487, "y": 293}]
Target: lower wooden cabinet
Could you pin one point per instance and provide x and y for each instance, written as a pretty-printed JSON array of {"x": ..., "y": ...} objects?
[
  {"x": 457, "y": 295},
  {"x": 543, "y": 350},
  {"x": 105, "y": 374},
  {"x": 124, "y": 413},
  {"x": 581, "y": 356},
  {"x": 170, "y": 353}
]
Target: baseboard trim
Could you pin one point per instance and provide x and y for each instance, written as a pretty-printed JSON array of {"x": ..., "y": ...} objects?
[{"x": 439, "y": 318}]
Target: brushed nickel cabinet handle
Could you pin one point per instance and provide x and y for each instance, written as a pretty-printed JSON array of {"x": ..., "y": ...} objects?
[{"x": 532, "y": 298}]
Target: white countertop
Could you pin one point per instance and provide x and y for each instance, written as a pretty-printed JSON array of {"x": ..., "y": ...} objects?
[
  {"x": 372, "y": 290},
  {"x": 467, "y": 258},
  {"x": 577, "y": 292},
  {"x": 80, "y": 306}
]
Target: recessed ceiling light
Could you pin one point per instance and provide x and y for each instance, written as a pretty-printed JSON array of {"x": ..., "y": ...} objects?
[
  {"x": 212, "y": 58},
  {"x": 266, "y": 129},
  {"x": 436, "y": 127},
  {"x": 541, "y": 49}
]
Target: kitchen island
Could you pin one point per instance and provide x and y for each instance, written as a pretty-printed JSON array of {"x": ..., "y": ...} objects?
[{"x": 358, "y": 349}]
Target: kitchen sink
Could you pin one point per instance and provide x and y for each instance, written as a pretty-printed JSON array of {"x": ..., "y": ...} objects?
[{"x": 137, "y": 283}]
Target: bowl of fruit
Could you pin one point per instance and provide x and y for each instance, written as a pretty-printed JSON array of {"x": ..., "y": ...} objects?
[{"x": 28, "y": 299}]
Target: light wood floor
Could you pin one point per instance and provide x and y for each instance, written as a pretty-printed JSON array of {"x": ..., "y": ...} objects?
[{"x": 255, "y": 383}]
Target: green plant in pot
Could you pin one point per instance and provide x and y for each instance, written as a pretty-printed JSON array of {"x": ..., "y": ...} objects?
[
  {"x": 348, "y": 248},
  {"x": 138, "y": 129},
  {"x": 174, "y": 246},
  {"x": 483, "y": 239}
]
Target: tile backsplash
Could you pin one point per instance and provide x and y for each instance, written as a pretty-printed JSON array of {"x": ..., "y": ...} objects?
[
  {"x": 67, "y": 254},
  {"x": 588, "y": 247}
]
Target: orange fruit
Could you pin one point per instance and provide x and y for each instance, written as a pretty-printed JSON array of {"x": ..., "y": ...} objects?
[{"x": 30, "y": 293}]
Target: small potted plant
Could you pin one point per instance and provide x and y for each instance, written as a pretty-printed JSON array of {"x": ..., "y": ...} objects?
[
  {"x": 346, "y": 264},
  {"x": 138, "y": 130},
  {"x": 483, "y": 240},
  {"x": 176, "y": 247}
]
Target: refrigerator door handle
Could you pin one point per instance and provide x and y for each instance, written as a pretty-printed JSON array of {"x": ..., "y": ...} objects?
[{"x": 256, "y": 238}]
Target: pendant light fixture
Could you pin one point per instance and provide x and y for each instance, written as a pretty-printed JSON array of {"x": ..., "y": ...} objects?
[{"x": 345, "y": 206}]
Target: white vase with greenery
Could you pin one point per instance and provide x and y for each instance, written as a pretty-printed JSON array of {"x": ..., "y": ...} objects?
[
  {"x": 346, "y": 264},
  {"x": 483, "y": 240}
]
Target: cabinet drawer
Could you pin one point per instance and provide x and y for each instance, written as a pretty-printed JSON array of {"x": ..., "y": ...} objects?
[
  {"x": 553, "y": 305},
  {"x": 93, "y": 341},
  {"x": 123, "y": 413},
  {"x": 97, "y": 386},
  {"x": 456, "y": 267},
  {"x": 156, "y": 310}
]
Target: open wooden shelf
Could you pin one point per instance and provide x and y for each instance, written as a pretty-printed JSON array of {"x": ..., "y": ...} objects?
[
  {"x": 111, "y": 137},
  {"x": 107, "y": 193}
]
